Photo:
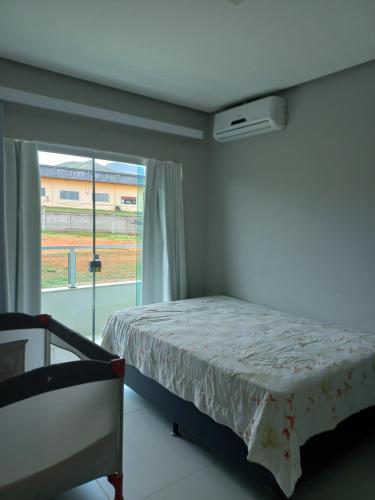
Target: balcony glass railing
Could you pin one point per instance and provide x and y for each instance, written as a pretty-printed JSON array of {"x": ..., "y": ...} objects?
[{"x": 68, "y": 265}]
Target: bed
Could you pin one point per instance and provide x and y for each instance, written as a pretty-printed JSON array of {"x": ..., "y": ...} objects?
[
  {"x": 250, "y": 376},
  {"x": 61, "y": 422}
]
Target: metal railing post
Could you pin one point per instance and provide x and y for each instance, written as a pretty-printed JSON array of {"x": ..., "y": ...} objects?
[{"x": 72, "y": 268}]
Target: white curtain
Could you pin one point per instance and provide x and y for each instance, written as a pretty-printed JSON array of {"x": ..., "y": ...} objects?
[
  {"x": 19, "y": 228},
  {"x": 163, "y": 259}
]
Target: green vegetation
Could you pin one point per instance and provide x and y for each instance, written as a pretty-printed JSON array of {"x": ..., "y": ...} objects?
[
  {"x": 118, "y": 264},
  {"x": 66, "y": 236},
  {"x": 58, "y": 276},
  {"x": 119, "y": 213}
]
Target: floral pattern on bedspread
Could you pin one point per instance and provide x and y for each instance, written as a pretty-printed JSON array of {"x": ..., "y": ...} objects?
[{"x": 273, "y": 378}]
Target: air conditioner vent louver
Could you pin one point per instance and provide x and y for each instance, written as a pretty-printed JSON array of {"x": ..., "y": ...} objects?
[{"x": 254, "y": 118}]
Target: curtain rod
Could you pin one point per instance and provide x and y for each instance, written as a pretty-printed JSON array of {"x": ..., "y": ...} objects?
[{"x": 101, "y": 154}]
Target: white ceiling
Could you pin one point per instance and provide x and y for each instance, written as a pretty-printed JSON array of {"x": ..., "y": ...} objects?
[{"x": 204, "y": 54}]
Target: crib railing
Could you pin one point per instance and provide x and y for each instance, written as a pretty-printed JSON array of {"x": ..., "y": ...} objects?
[{"x": 61, "y": 424}]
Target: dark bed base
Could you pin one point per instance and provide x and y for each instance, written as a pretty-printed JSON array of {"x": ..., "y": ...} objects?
[{"x": 187, "y": 419}]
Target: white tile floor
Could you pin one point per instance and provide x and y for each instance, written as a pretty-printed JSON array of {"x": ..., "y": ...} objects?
[{"x": 159, "y": 467}]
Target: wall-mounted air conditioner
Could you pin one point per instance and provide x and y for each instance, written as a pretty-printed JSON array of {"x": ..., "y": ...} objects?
[{"x": 253, "y": 118}]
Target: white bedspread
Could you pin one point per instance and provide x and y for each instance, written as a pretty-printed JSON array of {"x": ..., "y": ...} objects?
[{"x": 274, "y": 379}]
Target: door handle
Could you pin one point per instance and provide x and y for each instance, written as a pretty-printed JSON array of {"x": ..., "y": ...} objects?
[{"x": 95, "y": 265}]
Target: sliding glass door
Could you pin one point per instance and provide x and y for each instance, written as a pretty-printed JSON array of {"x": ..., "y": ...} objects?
[
  {"x": 119, "y": 190},
  {"x": 92, "y": 216}
]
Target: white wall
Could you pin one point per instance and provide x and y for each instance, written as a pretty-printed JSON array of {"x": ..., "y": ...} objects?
[{"x": 292, "y": 214}]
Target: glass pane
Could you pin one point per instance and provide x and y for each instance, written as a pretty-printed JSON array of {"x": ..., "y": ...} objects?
[
  {"x": 118, "y": 264},
  {"x": 119, "y": 212},
  {"x": 54, "y": 266},
  {"x": 67, "y": 194},
  {"x": 83, "y": 257},
  {"x": 66, "y": 218}
]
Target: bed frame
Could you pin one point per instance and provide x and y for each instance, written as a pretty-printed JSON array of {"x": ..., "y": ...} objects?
[
  {"x": 187, "y": 420},
  {"x": 61, "y": 424}
]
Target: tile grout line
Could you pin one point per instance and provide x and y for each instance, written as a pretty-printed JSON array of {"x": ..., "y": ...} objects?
[
  {"x": 133, "y": 411},
  {"x": 177, "y": 481},
  {"x": 173, "y": 482}
]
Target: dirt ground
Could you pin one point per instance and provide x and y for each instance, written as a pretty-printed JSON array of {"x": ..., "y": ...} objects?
[
  {"x": 118, "y": 264},
  {"x": 77, "y": 239}
]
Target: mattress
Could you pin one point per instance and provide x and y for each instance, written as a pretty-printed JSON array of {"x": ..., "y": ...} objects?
[{"x": 275, "y": 379}]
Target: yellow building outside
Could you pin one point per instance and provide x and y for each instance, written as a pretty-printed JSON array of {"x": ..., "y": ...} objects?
[{"x": 72, "y": 193}]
